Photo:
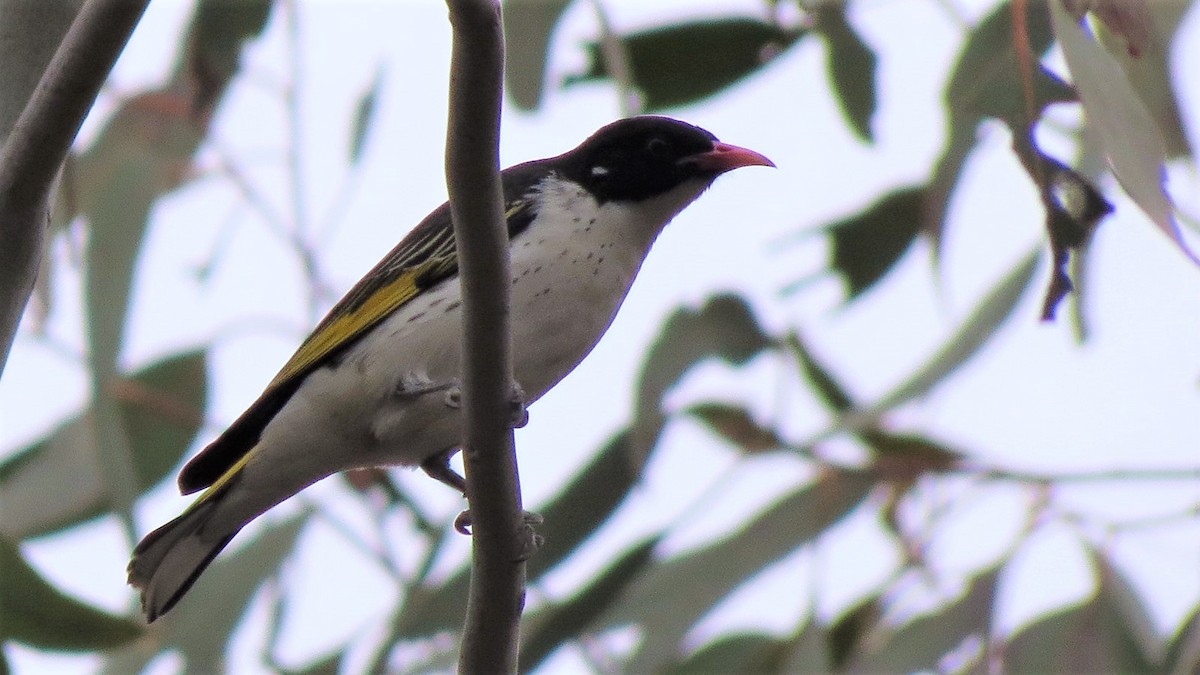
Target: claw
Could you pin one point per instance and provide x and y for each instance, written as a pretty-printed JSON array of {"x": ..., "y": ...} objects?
[
  {"x": 518, "y": 413},
  {"x": 462, "y": 524}
]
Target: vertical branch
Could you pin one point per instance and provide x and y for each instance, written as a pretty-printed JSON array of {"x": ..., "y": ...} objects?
[
  {"x": 40, "y": 139},
  {"x": 476, "y": 203}
]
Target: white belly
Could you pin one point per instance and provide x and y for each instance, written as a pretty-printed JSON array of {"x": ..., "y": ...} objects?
[{"x": 568, "y": 281}]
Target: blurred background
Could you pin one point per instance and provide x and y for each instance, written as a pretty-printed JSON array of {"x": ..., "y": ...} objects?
[{"x": 849, "y": 419}]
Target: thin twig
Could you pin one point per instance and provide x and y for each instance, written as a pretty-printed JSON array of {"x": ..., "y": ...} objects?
[
  {"x": 616, "y": 62},
  {"x": 299, "y": 188},
  {"x": 501, "y": 540},
  {"x": 1087, "y": 476}
]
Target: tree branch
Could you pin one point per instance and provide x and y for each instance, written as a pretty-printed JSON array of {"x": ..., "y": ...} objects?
[
  {"x": 40, "y": 140},
  {"x": 476, "y": 203}
]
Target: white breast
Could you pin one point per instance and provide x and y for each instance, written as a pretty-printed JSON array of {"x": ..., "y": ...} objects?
[{"x": 571, "y": 269}]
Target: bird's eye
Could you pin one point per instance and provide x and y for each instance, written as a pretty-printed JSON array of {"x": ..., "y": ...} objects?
[
  {"x": 599, "y": 171},
  {"x": 657, "y": 146}
]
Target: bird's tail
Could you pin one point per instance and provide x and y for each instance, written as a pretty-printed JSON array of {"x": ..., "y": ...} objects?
[{"x": 169, "y": 560}]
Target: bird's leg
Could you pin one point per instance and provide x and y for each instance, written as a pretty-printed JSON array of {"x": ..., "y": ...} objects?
[{"x": 438, "y": 468}]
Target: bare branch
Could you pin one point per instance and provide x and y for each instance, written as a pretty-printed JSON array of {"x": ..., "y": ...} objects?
[
  {"x": 476, "y": 202},
  {"x": 41, "y": 138}
]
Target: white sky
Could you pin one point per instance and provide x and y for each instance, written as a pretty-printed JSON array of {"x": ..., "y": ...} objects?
[{"x": 1033, "y": 400}]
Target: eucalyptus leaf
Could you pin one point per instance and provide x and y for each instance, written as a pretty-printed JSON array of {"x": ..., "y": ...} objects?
[
  {"x": 1149, "y": 70},
  {"x": 528, "y": 26},
  {"x": 1107, "y": 632},
  {"x": 737, "y": 426},
  {"x": 865, "y": 246},
  {"x": 672, "y": 596},
  {"x": 921, "y": 643},
  {"x": 739, "y": 653},
  {"x": 831, "y": 392},
  {"x": 724, "y": 328},
  {"x": 364, "y": 116},
  {"x": 563, "y": 622},
  {"x": 1183, "y": 655},
  {"x": 850, "y": 66},
  {"x": 988, "y": 81},
  {"x": 684, "y": 63},
  {"x": 38, "y": 614},
  {"x": 1124, "y": 126},
  {"x": 161, "y": 407},
  {"x": 847, "y": 635},
  {"x": 971, "y": 336}
]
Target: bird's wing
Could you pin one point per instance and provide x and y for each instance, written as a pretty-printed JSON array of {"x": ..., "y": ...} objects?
[{"x": 426, "y": 257}]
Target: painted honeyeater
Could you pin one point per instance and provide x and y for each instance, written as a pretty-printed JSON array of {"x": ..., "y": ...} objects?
[{"x": 376, "y": 382}]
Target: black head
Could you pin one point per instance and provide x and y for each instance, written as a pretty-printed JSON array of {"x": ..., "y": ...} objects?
[{"x": 642, "y": 157}]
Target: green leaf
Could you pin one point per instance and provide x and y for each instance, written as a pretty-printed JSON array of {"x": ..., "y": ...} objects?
[
  {"x": 218, "y": 32},
  {"x": 988, "y": 81},
  {"x": 974, "y": 333},
  {"x": 528, "y": 26},
  {"x": 330, "y": 664},
  {"x": 584, "y": 504},
  {"x": 723, "y": 328},
  {"x": 1183, "y": 655},
  {"x": 364, "y": 116},
  {"x": 902, "y": 457},
  {"x": 919, "y": 644},
  {"x": 571, "y": 517},
  {"x": 564, "y": 622},
  {"x": 1124, "y": 126},
  {"x": 1109, "y": 632},
  {"x": 807, "y": 651},
  {"x": 161, "y": 408},
  {"x": 865, "y": 246},
  {"x": 1150, "y": 70},
  {"x": 850, "y": 66},
  {"x": 737, "y": 426},
  {"x": 672, "y": 596},
  {"x": 687, "y": 62},
  {"x": 846, "y": 635},
  {"x": 739, "y": 653},
  {"x": 825, "y": 385},
  {"x": 37, "y": 614}
]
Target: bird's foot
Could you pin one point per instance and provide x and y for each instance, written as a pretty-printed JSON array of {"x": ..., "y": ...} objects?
[
  {"x": 532, "y": 541},
  {"x": 518, "y": 414}
]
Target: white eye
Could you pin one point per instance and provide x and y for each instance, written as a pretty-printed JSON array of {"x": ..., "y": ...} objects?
[{"x": 599, "y": 171}]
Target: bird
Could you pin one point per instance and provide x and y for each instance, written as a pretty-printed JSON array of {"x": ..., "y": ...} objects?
[{"x": 376, "y": 384}]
